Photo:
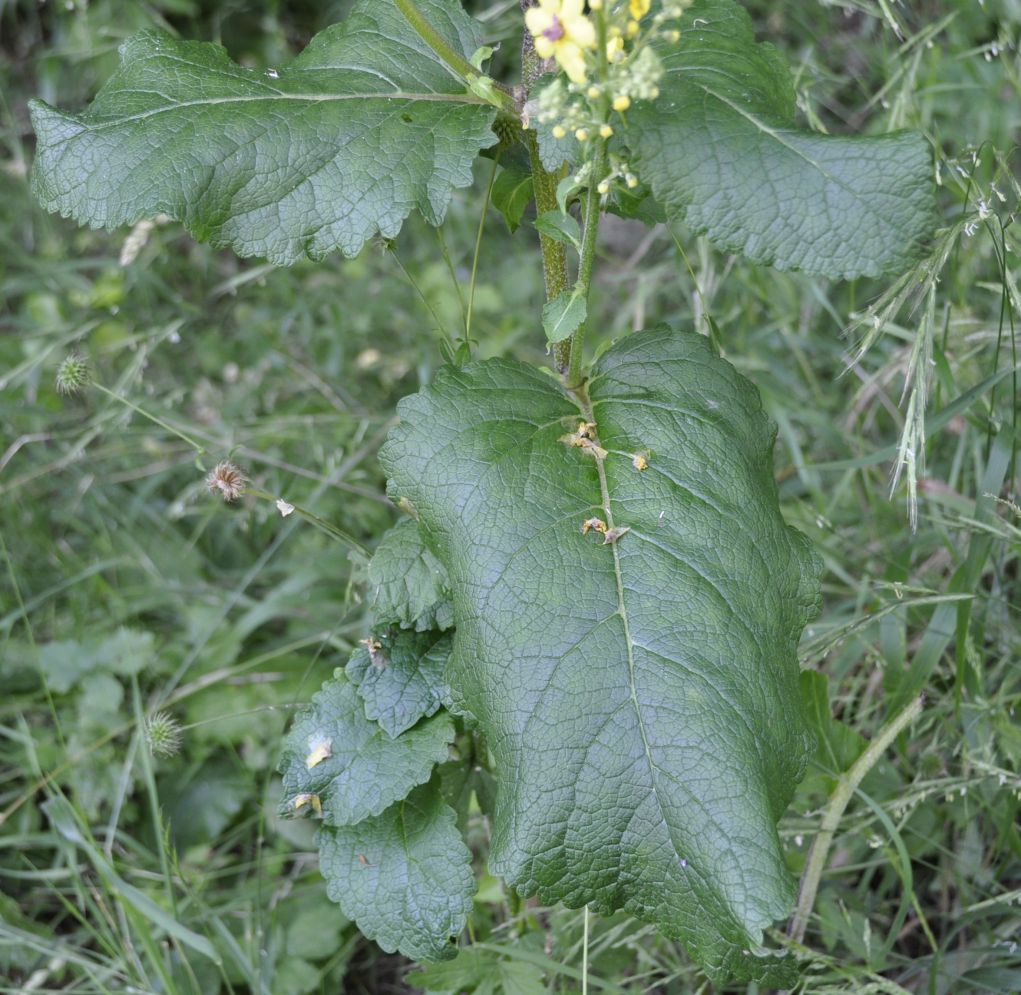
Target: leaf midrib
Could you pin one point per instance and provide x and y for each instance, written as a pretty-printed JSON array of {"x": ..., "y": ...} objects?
[
  {"x": 459, "y": 98},
  {"x": 585, "y": 406}
]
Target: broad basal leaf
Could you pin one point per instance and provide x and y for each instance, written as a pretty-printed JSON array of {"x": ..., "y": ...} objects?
[
  {"x": 721, "y": 152},
  {"x": 625, "y": 637},
  {"x": 405, "y": 876},
  {"x": 366, "y": 124},
  {"x": 403, "y": 679},
  {"x": 409, "y": 585},
  {"x": 336, "y": 760}
]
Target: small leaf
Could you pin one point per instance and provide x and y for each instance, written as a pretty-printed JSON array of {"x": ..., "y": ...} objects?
[
  {"x": 721, "y": 152},
  {"x": 365, "y": 125},
  {"x": 837, "y": 744},
  {"x": 409, "y": 585},
  {"x": 554, "y": 153},
  {"x": 404, "y": 876},
  {"x": 512, "y": 193},
  {"x": 367, "y": 770},
  {"x": 560, "y": 227},
  {"x": 406, "y": 681},
  {"x": 562, "y": 316},
  {"x": 640, "y": 698}
]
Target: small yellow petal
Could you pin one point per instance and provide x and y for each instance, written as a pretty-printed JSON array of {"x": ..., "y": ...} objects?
[
  {"x": 545, "y": 47},
  {"x": 581, "y": 31},
  {"x": 581, "y": 134},
  {"x": 559, "y": 131},
  {"x": 639, "y": 8},
  {"x": 572, "y": 61},
  {"x": 621, "y": 103},
  {"x": 538, "y": 20},
  {"x": 606, "y": 131}
]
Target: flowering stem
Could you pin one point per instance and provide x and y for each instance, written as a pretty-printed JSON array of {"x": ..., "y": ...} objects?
[
  {"x": 320, "y": 523},
  {"x": 593, "y": 205},
  {"x": 544, "y": 186},
  {"x": 454, "y": 60},
  {"x": 842, "y": 794},
  {"x": 554, "y": 254},
  {"x": 590, "y": 238}
]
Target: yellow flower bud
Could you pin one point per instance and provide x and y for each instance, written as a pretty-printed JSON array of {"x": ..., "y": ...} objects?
[
  {"x": 631, "y": 180},
  {"x": 638, "y": 8},
  {"x": 581, "y": 134},
  {"x": 632, "y": 28},
  {"x": 673, "y": 36},
  {"x": 621, "y": 103},
  {"x": 604, "y": 187},
  {"x": 654, "y": 93},
  {"x": 605, "y": 131},
  {"x": 594, "y": 93},
  {"x": 559, "y": 131}
]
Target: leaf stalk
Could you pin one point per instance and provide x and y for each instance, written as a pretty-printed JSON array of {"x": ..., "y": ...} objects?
[{"x": 454, "y": 60}]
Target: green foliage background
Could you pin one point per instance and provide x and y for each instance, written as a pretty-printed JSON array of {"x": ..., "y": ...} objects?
[{"x": 126, "y": 590}]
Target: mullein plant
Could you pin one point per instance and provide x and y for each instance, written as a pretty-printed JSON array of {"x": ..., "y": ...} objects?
[{"x": 586, "y": 623}]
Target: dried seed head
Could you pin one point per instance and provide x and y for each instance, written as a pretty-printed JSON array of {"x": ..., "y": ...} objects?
[
  {"x": 227, "y": 480},
  {"x": 163, "y": 734},
  {"x": 73, "y": 374}
]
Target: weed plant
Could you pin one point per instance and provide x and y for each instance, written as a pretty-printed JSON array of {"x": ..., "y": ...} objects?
[{"x": 155, "y": 642}]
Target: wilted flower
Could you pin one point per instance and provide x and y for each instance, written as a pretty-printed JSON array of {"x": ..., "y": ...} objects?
[
  {"x": 562, "y": 32},
  {"x": 227, "y": 480}
]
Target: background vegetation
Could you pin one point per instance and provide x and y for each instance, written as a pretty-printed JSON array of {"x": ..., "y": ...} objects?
[{"x": 125, "y": 590}]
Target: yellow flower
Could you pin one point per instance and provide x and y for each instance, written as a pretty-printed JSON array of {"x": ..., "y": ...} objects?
[
  {"x": 615, "y": 49},
  {"x": 639, "y": 8},
  {"x": 562, "y": 32}
]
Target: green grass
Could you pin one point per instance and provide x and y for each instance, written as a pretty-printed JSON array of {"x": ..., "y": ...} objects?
[{"x": 125, "y": 589}]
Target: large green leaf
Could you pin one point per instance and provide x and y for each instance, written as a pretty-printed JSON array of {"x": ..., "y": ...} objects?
[
  {"x": 365, "y": 125},
  {"x": 721, "y": 152},
  {"x": 405, "y": 876},
  {"x": 640, "y": 696},
  {"x": 354, "y": 769}
]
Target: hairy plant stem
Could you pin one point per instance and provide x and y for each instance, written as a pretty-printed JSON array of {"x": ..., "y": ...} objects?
[
  {"x": 554, "y": 253},
  {"x": 544, "y": 186},
  {"x": 589, "y": 241},
  {"x": 842, "y": 794},
  {"x": 454, "y": 60},
  {"x": 590, "y": 236}
]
